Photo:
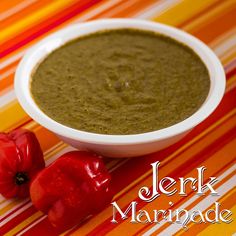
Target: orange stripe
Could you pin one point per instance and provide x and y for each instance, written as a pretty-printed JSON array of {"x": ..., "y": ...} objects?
[
  {"x": 209, "y": 16},
  {"x": 135, "y": 6},
  {"x": 201, "y": 13},
  {"x": 10, "y": 66},
  {"x": 41, "y": 23},
  {"x": 224, "y": 22},
  {"x": 126, "y": 9},
  {"x": 118, "y": 5},
  {"x": 24, "y": 12},
  {"x": 6, "y": 4},
  {"x": 48, "y": 142},
  {"x": 32, "y": 42},
  {"x": 6, "y": 82}
]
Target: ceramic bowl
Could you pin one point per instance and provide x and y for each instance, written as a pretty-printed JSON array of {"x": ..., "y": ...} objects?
[{"x": 118, "y": 145}]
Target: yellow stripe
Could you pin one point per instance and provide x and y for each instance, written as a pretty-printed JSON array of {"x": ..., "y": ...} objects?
[
  {"x": 231, "y": 83},
  {"x": 220, "y": 229},
  {"x": 229, "y": 56},
  {"x": 32, "y": 125},
  {"x": 193, "y": 26},
  {"x": 33, "y": 18},
  {"x": 24, "y": 224},
  {"x": 11, "y": 204},
  {"x": 223, "y": 199},
  {"x": 184, "y": 10},
  {"x": 12, "y": 115}
]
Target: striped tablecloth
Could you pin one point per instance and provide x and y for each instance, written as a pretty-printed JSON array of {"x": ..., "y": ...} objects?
[{"x": 211, "y": 144}]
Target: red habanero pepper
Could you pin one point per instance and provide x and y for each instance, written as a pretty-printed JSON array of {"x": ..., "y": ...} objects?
[
  {"x": 73, "y": 187},
  {"x": 20, "y": 159}
]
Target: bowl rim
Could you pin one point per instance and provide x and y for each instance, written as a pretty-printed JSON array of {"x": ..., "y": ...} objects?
[{"x": 23, "y": 76}]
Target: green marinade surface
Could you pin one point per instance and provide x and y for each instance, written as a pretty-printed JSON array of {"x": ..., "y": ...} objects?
[{"x": 120, "y": 82}]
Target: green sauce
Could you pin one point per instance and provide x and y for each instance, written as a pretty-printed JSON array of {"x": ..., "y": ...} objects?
[{"x": 120, "y": 82}]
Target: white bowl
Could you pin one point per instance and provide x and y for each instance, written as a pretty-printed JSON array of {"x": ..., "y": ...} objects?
[{"x": 118, "y": 145}]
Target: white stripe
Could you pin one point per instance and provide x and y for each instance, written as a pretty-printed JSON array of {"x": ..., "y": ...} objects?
[
  {"x": 123, "y": 5},
  {"x": 224, "y": 37},
  {"x": 16, "y": 8},
  {"x": 205, "y": 203},
  {"x": 119, "y": 163},
  {"x": 157, "y": 9},
  {"x": 96, "y": 11},
  {"x": 32, "y": 225},
  {"x": 7, "y": 98},
  {"x": 225, "y": 46},
  {"x": 13, "y": 208},
  {"x": 15, "y": 214},
  {"x": 5, "y": 203},
  {"x": 63, "y": 151},
  {"x": 51, "y": 149},
  {"x": 7, "y": 73},
  {"x": 1, "y": 198},
  {"x": 12, "y": 59}
]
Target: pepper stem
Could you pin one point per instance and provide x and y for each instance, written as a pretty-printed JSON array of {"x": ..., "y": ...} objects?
[{"x": 21, "y": 178}]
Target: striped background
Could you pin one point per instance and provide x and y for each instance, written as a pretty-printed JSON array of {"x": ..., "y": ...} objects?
[{"x": 212, "y": 143}]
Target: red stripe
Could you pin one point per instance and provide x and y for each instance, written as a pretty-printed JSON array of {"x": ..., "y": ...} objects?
[
  {"x": 230, "y": 69},
  {"x": 10, "y": 213},
  {"x": 17, "y": 220},
  {"x": 43, "y": 228},
  {"x": 74, "y": 10}
]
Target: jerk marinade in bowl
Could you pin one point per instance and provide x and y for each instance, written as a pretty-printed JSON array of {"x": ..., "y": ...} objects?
[{"x": 120, "y": 81}]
